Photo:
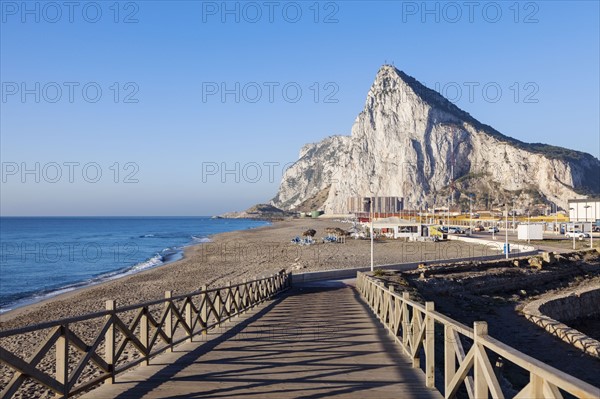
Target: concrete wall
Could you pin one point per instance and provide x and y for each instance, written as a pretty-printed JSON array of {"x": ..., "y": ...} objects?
[
  {"x": 552, "y": 313},
  {"x": 573, "y": 306},
  {"x": 516, "y": 249}
]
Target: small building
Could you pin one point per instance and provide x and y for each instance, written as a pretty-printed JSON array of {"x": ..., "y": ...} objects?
[
  {"x": 381, "y": 205},
  {"x": 584, "y": 210},
  {"x": 531, "y": 231},
  {"x": 395, "y": 227}
]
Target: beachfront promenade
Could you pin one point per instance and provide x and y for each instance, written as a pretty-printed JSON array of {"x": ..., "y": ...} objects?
[
  {"x": 268, "y": 338},
  {"x": 317, "y": 340}
]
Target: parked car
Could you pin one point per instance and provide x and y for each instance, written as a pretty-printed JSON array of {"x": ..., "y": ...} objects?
[
  {"x": 577, "y": 234},
  {"x": 455, "y": 230},
  {"x": 479, "y": 228},
  {"x": 493, "y": 229},
  {"x": 596, "y": 229}
]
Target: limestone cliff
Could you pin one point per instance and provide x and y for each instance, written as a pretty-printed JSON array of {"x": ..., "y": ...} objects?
[{"x": 411, "y": 142}]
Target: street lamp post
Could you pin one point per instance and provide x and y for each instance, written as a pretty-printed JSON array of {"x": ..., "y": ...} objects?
[
  {"x": 371, "y": 200},
  {"x": 572, "y": 229},
  {"x": 506, "y": 231},
  {"x": 591, "y": 228},
  {"x": 470, "y": 215},
  {"x": 447, "y": 212},
  {"x": 528, "y": 226},
  {"x": 513, "y": 215}
]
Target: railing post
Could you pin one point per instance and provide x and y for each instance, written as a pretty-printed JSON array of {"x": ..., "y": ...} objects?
[
  {"x": 218, "y": 306},
  {"x": 204, "y": 309},
  {"x": 244, "y": 295},
  {"x": 429, "y": 345},
  {"x": 188, "y": 317},
  {"x": 62, "y": 361},
  {"x": 537, "y": 386},
  {"x": 480, "y": 330},
  {"x": 405, "y": 320},
  {"x": 144, "y": 333},
  {"x": 238, "y": 302},
  {"x": 449, "y": 356},
  {"x": 228, "y": 300},
  {"x": 109, "y": 342},
  {"x": 169, "y": 319},
  {"x": 392, "y": 309}
]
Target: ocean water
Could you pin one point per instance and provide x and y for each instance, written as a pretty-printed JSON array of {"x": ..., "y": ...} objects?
[{"x": 46, "y": 256}]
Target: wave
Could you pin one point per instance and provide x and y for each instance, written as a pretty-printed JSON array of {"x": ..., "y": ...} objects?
[
  {"x": 167, "y": 255},
  {"x": 173, "y": 238},
  {"x": 199, "y": 240}
]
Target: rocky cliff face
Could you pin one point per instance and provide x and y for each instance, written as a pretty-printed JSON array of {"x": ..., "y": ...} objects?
[{"x": 411, "y": 142}]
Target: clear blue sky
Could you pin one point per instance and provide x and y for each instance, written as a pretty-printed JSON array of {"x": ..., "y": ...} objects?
[{"x": 174, "y": 58}]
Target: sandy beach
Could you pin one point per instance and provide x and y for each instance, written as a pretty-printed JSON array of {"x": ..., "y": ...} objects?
[
  {"x": 232, "y": 256},
  {"x": 235, "y": 256}
]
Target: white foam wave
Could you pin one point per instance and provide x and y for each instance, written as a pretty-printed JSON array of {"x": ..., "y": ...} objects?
[
  {"x": 200, "y": 239},
  {"x": 147, "y": 264}
]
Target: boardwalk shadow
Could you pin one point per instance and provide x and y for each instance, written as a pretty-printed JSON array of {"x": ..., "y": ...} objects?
[{"x": 313, "y": 342}]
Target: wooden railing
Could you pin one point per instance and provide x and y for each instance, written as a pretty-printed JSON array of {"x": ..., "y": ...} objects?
[
  {"x": 151, "y": 328},
  {"x": 413, "y": 327}
]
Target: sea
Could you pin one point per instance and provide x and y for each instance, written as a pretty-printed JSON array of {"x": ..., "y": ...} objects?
[{"x": 41, "y": 257}]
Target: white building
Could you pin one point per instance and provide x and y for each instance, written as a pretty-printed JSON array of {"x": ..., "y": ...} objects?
[
  {"x": 395, "y": 227},
  {"x": 579, "y": 213},
  {"x": 532, "y": 231}
]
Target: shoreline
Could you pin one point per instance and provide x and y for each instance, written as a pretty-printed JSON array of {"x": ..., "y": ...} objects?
[
  {"x": 57, "y": 295},
  {"x": 232, "y": 257}
]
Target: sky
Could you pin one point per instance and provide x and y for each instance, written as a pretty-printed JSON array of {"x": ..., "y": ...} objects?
[{"x": 192, "y": 108}]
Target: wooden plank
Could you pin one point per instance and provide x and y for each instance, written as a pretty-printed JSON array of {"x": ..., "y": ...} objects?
[
  {"x": 429, "y": 346},
  {"x": 481, "y": 387},
  {"x": 168, "y": 320},
  {"x": 525, "y": 393},
  {"x": 460, "y": 374},
  {"x": 18, "y": 378},
  {"x": 144, "y": 334},
  {"x": 488, "y": 371},
  {"x": 460, "y": 355},
  {"x": 109, "y": 342},
  {"x": 76, "y": 342},
  {"x": 449, "y": 357},
  {"x": 25, "y": 368}
]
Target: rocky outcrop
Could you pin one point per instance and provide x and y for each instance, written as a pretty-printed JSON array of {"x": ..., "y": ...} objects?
[
  {"x": 411, "y": 142},
  {"x": 260, "y": 211}
]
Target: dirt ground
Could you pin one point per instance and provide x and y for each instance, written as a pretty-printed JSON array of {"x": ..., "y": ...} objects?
[{"x": 496, "y": 291}]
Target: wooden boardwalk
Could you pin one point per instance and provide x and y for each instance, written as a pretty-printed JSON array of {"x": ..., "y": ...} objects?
[{"x": 314, "y": 341}]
